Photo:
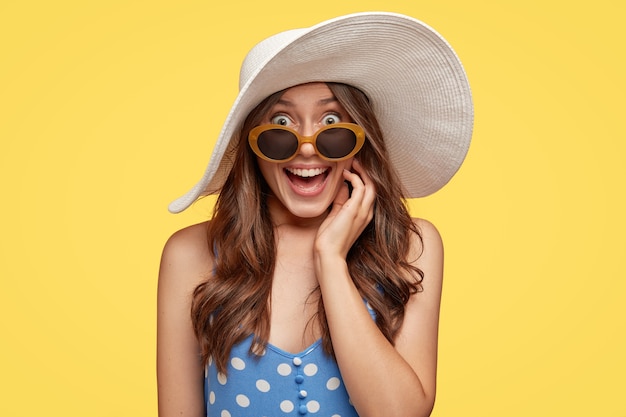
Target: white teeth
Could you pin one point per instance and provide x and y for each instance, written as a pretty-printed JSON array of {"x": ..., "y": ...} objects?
[{"x": 306, "y": 173}]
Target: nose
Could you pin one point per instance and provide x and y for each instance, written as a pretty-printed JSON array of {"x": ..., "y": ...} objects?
[{"x": 307, "y": 149}]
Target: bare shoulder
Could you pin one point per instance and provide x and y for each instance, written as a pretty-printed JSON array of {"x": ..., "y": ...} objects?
[
  {"x": 191, "y": 241},
  {"x": 186, "y": 256},
  {"x": 431, "y": 243},
  {"x": 427, "y": 253},
  {"x": 185, "y": 263},
  {"x": 418, "y": 337}
]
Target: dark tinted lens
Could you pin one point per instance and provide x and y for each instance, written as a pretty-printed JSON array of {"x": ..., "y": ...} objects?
[
  {"x": 336, "y": 143},
  {"x": 277, "y": 144}
]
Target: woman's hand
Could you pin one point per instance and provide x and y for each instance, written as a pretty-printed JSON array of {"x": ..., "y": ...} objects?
[
  {"x": 366, "y": 359},
  {"x": 349, "y": 215}
]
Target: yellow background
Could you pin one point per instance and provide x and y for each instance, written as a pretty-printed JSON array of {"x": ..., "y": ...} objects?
[{"x": 108, "y": 110}]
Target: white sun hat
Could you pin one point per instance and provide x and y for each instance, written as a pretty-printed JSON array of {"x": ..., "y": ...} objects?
[{"x": 412, "y": 77}]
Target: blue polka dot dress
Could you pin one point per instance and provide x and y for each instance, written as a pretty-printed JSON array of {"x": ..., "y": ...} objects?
[{"x": 276, "y": 384}]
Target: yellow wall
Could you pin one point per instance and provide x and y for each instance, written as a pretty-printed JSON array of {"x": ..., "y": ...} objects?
[{"x": 108, "y": 111}]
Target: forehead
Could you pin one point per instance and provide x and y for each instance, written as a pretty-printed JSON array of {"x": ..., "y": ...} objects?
[{"x": 312, "y": 92}]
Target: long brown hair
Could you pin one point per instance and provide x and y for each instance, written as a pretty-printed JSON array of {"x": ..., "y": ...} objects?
[{"x": 234, "y": 302}]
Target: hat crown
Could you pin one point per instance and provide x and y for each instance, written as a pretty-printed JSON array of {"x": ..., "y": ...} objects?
[{"x": 263, "y": 51}]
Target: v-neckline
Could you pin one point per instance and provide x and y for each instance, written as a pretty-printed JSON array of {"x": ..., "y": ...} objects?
[{"x": 302, "y": 353}]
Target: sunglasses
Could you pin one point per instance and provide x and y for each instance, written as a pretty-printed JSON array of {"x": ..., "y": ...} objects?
[{"x": 335, "y": 142}]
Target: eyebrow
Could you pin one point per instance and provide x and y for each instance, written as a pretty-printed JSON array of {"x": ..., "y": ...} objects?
[{"x": 321, "y": 102}]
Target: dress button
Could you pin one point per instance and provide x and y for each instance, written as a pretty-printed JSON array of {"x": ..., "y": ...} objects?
[
  {"x": 302, "y": 410},
  {"x": 297, "y": 361},
  {"x": 302, "y": 394},
  {"x": 299, "y": 379}
]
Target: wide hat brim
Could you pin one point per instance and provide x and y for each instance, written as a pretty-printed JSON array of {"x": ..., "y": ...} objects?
[{"x": 413, "y": 78}]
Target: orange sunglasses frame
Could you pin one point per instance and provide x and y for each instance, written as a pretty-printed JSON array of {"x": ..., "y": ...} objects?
[{"x": 358, "y": 131}]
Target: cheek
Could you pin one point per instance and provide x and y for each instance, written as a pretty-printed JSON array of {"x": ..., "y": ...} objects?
[
  {"x": 265, "y": 167},
  {"x": 269, "y": 171},
  {"x": 345, "y": 165}
]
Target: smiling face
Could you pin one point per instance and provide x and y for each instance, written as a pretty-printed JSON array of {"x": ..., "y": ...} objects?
[{"x": 306, "y": 185}]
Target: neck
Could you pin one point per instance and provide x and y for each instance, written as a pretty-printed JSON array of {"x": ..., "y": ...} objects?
[{"x": 283, "y": 218}]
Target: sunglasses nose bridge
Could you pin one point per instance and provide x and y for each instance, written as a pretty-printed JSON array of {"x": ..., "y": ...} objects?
[{"x": 306, "y": 146}]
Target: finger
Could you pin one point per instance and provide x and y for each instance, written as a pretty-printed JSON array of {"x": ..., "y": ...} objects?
[
  {"x": 368, "y": 187},
  {"x": 342, "y": 195},
  {"x": 358, "y": 189},
  {"x": 363, "y": 175},
  {"x": 355, "y": 181},
  {"x": 360, "y": 204}
]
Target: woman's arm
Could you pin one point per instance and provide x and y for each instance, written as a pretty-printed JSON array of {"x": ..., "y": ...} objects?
[
  {"x": 381, "y": 379},
  {"x": 184, "y": 264}
]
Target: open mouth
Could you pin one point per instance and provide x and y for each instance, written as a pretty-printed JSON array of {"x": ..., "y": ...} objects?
[{"x": 307, "y": 180}]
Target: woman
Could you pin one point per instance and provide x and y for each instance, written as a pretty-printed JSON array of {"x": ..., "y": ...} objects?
[{"x": 311, "y": 290}]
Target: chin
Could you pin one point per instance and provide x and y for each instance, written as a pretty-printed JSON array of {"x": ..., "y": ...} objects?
[{"x": 308, "y": 210}]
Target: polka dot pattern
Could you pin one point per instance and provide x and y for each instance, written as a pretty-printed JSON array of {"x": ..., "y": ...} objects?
[
  {"x": 333, "y": 383},
  {"x": 222, "y": 379},
  {"x": 286, "y": 406},
  {"x": 277, "y": 384},
  {"x": 262, "y": 385},
  {"x": 238, "y": 364},
  {"x": 283, "y": 369},
  {"x": 242, "y": 400},
  {"x": 310, "y": 369},
  {"x": 313, "y": 406}
]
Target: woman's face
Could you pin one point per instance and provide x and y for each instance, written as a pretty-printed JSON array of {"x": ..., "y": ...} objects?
[{"x": 306, "y": 185}]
